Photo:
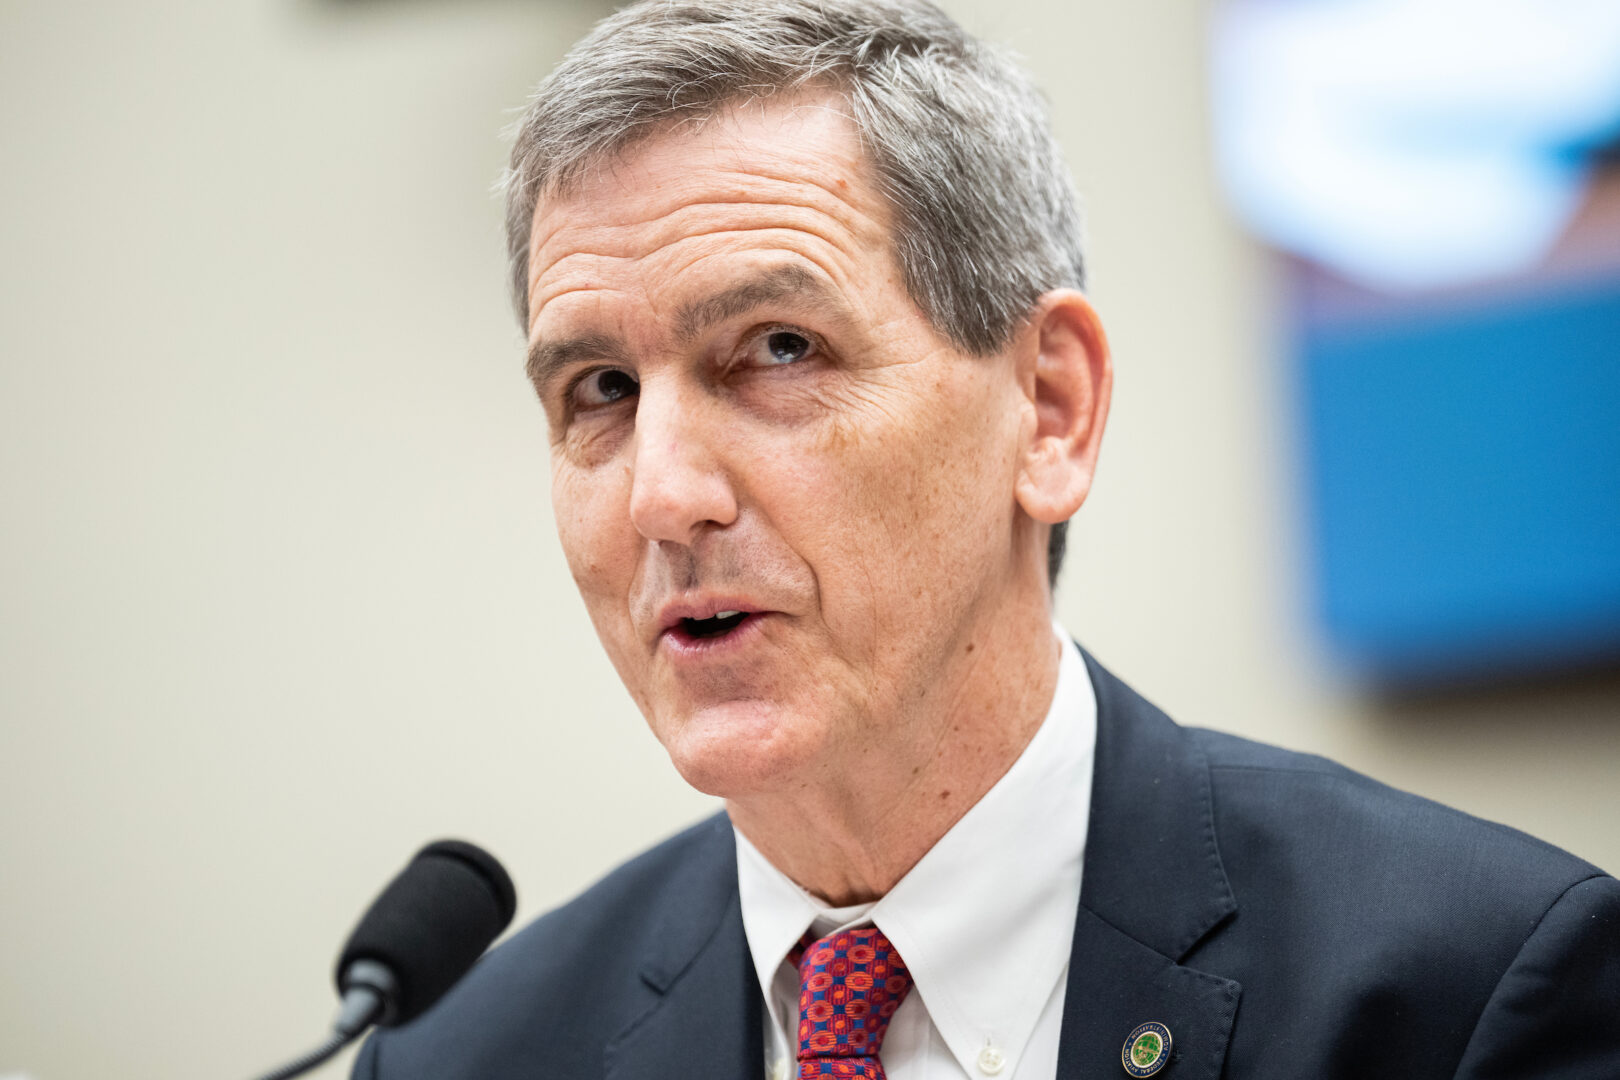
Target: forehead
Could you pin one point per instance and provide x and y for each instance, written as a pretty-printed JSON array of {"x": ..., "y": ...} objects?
[{"x": 754, "y": 187}]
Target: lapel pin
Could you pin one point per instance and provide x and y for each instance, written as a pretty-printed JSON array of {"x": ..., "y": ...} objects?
[{"x": 1147, "y": 1049}]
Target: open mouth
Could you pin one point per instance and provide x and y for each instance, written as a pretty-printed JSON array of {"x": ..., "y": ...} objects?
[{"x": 717, "y": 625}]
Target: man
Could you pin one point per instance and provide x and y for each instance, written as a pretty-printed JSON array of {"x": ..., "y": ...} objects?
[{"x": 800, "y": 281}]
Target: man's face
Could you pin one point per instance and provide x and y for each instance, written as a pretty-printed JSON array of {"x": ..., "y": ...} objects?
[{"x": 748, "y": 415}]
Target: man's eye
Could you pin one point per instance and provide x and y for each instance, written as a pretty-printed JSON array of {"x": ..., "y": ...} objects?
[
  {"x": 778, "y": 347},
  {"x": 604, "y": 388}
]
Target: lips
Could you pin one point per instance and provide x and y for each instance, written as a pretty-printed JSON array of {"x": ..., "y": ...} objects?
[
  {"x": 722, "y": 622},
  {"x": 705, "y": 625}
]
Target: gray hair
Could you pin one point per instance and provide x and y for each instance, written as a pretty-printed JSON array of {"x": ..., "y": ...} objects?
[{"x": 986, "y": 218}]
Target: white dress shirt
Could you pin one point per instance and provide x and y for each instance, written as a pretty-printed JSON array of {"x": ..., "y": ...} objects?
[{"x": 984, "y": 921}]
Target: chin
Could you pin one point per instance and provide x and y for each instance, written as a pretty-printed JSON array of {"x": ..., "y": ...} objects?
[{"x": 738, "y": 748}]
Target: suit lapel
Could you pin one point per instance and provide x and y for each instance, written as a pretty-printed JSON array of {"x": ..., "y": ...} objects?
[
  {"x": 705, "y": 1017},
  {"x": 1153, "y": 887}
]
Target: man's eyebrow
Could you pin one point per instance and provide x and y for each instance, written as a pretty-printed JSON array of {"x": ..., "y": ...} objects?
[
  {"x": 547, "y": 358},
  {"x": 778, "y": 284}
]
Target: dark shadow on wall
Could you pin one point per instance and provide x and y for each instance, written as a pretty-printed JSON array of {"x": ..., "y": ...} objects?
[{"x": 1488, "y": 709}]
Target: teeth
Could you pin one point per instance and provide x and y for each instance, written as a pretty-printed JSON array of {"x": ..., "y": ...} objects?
[{"x": 726, "y": 614}]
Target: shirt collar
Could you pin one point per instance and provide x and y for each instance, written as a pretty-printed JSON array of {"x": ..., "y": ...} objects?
[{"x": 985, "y": 919}]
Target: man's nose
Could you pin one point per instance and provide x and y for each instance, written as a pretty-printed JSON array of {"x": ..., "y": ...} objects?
[{"x": 678, "y": 483}]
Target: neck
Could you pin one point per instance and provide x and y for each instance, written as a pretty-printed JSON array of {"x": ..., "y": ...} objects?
[{"x": 847, "y": 835}]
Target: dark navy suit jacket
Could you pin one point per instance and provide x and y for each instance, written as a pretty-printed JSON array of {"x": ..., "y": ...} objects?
[{"x": 1284, "y": 917}]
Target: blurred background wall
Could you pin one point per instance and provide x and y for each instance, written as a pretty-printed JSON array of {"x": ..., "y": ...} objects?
[{"x": 280, "y": 598}]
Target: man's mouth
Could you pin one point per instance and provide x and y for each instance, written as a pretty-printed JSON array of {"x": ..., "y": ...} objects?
[
  {"x": 709, "y": 626},
  {"x": 717, "y": 625}
]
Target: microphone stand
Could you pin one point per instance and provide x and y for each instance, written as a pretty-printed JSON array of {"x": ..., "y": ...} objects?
[
  {"x": 321, "y": 1053},
  {"x": 368, "y": 991}
]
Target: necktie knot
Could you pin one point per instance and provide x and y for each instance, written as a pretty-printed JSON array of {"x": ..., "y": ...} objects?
[{"x": 850, "y": 984}]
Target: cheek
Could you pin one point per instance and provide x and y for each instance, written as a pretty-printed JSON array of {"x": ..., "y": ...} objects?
[
  {"x": 868, "y": 509},
  {"x": 592, "y": 526},
  {"x": 927, "y": 503},
  {"x": 586, "y": 506}
]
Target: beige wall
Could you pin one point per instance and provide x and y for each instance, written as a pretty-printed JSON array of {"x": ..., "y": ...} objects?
[{"x": 280, "y": 598}]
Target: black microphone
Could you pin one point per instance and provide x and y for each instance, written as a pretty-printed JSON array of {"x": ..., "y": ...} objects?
[{"x": 424, "y": 931}]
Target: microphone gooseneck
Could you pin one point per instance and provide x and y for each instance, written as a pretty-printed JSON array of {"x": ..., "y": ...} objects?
[
  {"x": 317, "y": 1056},
  {"x": 422, "y": 933}
]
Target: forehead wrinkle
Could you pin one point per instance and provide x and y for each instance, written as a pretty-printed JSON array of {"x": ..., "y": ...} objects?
[
  {"x": 771, "y": 286},
  {"x": 836, "y": 261},
  {"x": 621, "y": 239},
  {"x": 829, "y": 250},
  {"x": 579, "y": 273},
  {"x": 836, "y": 189},
  {"x": 693, "y": 190},
  {"x": 580, "y": 270}
]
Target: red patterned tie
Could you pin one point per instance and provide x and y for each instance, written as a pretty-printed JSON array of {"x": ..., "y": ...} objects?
[{"x": 850, "y": 983}]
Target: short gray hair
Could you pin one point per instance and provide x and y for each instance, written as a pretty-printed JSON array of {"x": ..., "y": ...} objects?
[{"x": 986, "y": 218}]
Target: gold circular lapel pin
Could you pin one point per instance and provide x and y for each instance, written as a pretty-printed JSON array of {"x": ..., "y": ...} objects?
[{"x": 1147, "y": 1049}]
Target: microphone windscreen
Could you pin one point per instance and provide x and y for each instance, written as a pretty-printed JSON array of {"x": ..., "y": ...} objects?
[{"x": 431, "y": 923}]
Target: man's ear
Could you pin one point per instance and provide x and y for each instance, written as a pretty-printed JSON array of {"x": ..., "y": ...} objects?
[{"x": 1068, "y": 375}]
